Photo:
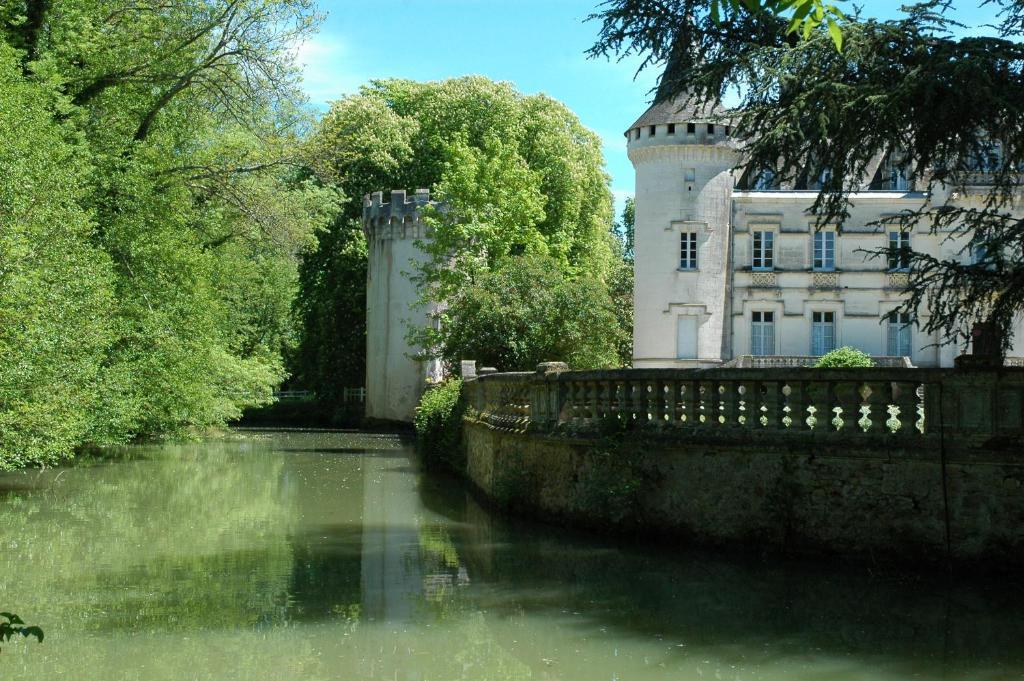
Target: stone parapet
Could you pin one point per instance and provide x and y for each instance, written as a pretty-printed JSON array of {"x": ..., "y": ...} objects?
[
  {"x": 397, "y": 218},
  {"x": 917, "y": 466},
  {"x": 876, "y": 407}
]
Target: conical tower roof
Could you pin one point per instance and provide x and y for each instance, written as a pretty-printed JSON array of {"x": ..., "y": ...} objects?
[{"x": 681, "y": 109}]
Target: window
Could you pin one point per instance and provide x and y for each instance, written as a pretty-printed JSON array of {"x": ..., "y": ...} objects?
[
  {"x": 898, "y": 180},
  {"x": 899, "y": 251},
  {"x": 711, "y": 128},
  {"x": 686, "y": 337},
  {"x": 638, "y": 133},
  {"x": 762, "y": 333},
  {"x": 728, "y": 130},
  {"x": 899, "y": 343},
  {"x": 691, "y": 128},
  {"x": 764, "y": 251},
  {"x": 824, "y": 251},
  {"x": 764, "y": 180},
  {"x": 986, "y": 158},
  {"x": 671, "y": 128},
  {"x": 650, "y": 130},
  {"x": 691, "y": 174},
  {"x": 688, "y": 251},
  {"x": 895, "y": 173},
  {"x": 823, "y": 333}
]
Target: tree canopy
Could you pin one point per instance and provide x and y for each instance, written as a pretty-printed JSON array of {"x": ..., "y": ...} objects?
[
  {"x": 519, "y": 175},
  {"x": 944, "y": 101},
  {"x": 153, "y": 213}
]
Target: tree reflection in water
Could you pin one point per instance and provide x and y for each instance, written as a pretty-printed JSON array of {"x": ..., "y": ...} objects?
[{"x": 328, "y": 556}]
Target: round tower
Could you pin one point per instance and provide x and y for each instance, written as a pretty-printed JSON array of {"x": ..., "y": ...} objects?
[
  {"x": 683, "y": 156},
  {"x": 394, "y": 380}
]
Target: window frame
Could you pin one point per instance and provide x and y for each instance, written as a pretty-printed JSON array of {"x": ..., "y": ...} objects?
[
  {"x": 828, "y": 321},
  {"x": 762, "y": 333},
  {"x": 760, "y": 253},
  {"x": 899, "y": 331},
  {"x": 824, "y": 266},
  {"x": 688, "y": 261},
  {"x": 899, "y": 250}
]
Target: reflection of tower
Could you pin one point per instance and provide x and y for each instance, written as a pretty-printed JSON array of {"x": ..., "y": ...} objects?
[
  {"x": 394, "y": 380},
  {"x": 391, "y": 573},
  {"x": 683, "y": 158}
]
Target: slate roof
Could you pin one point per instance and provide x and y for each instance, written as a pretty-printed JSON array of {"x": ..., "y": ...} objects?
[{"x": 679, "y": 110}]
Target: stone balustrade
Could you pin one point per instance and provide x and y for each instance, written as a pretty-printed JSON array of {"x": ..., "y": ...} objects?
[{"x": 908, "y": 407}]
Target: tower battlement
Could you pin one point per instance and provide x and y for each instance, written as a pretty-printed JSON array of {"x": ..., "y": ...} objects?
[{"x": 398, "y": 218}]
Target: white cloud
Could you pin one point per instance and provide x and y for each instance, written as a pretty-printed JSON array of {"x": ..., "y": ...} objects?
[{"x": 327, "y": 69}]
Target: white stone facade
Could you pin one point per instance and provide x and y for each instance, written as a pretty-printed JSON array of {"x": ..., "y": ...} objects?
[
  {"x": 761, "y": 281},
  {"x": 394, "y": 379}
]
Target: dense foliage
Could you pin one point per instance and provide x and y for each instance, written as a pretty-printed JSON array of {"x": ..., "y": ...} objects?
[
  {"x": 845, "y": 358},
  {"x": 519, "y": 175},
  {"x": 942, "y": 102},
  {"x": 527, "y": 311},
  {"x": 152, "y": 215},
  {"x": 438, "y": 424}
]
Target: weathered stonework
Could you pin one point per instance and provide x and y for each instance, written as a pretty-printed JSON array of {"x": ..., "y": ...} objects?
[
  {"x": 950, "y": 487},
  {"x": 394, "y": 380},
  {"x": 703, "y": 314}
]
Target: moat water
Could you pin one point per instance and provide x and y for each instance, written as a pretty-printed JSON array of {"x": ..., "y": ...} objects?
[{"x": 331, "y": 556}]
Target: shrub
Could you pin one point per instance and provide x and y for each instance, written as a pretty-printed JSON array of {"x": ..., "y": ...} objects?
[
  {"x": 845, "y": 358},
  {"x": 438, "y": 424}
]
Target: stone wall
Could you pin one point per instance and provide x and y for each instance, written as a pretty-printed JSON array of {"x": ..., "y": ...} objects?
[
  {"x": 394, "y": 379},
  {"x": 952, "y": 490}
]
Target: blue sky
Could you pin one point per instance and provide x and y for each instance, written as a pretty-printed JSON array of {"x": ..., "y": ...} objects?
[{"x": 537, "y": 44}]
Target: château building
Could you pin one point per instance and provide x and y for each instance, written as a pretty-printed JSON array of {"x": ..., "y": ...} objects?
[{"x": 729, "y": 263}]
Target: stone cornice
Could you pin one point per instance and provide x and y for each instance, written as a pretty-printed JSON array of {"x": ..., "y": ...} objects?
[{"x": 690, "y": 152}]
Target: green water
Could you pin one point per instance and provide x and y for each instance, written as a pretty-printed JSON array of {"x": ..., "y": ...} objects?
[{"x": 330, "y": 556}]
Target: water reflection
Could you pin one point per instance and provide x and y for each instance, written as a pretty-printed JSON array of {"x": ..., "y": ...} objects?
[{"x": 328, "y": 556}]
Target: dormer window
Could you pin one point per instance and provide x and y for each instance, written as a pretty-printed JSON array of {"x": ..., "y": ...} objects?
[
  {"x": 764, "y": 180},
  {"x": 691, "y": 128},
  {"x": 895, "y": 173},
  {"x": 986, "y": 158}
]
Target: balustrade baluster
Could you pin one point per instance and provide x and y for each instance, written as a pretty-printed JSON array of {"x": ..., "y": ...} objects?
[
  {"x": 845, "y": 401},
  {"x": 688, "y": 403},
  {"x": 745, "y": 401},
  {"x": 707, "y": 404},
  {"x": 729, "y": 397},
  {"x": 872, "y": 410},
  {"x": 906, "y": 400},
  {"x": 792, "y": 406},
  {"x": 671, "y": 401},
  {"x": 817, "y": 410},
  {"x": 769, "y": 409},
  {"x": 657, "y": 403}
]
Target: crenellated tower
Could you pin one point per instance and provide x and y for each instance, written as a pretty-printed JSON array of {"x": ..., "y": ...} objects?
[
  {"x": 683, "y": 156},
  {"x": 394, "y": 380}
]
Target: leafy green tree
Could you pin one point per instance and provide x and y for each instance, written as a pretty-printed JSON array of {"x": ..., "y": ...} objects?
[
  {"x": 158, "y": 163},
  {"x": 518, "y": 174},
  {"x": 941, "y": 100},
  {"x": 528, "y": 311},
  {"x": 55, "y": 285}
]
